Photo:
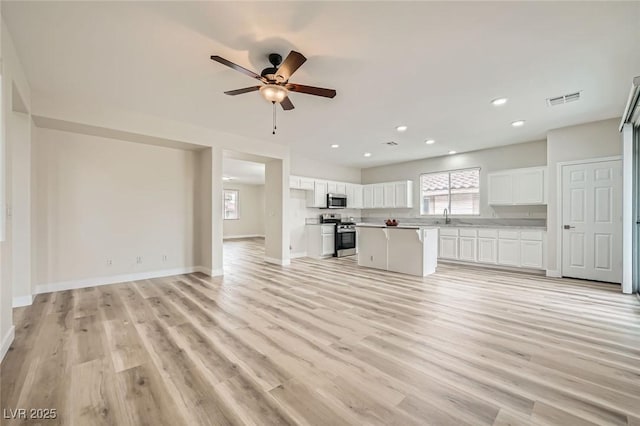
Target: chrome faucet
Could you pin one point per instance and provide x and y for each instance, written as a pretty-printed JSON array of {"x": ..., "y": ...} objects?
[{"x": 447, "y": 220}]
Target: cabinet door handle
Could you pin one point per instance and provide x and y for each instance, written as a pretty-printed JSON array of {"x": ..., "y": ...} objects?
[{"x": 568, "y": 227}]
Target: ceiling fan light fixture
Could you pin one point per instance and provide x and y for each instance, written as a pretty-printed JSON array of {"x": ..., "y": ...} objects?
[{"x": 274, "y": 92}]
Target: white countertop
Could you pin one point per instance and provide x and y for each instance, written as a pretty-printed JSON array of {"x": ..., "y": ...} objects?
[
  {"x": 375, "y": 225},
  {"x": 442, "y": 225}
]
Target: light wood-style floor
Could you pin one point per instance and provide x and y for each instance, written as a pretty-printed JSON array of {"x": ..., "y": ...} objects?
[{"x": 328, "y": 343}]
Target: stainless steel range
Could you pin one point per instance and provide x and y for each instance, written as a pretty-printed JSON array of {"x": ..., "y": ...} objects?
[
  {"x": 344, "y": 236},
  {"x": 345, "y": 239}
]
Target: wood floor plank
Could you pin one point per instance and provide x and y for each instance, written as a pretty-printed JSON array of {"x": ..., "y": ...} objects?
[
  {"x": 327, "y": 342},
  {"x": 93, "y": 397}
]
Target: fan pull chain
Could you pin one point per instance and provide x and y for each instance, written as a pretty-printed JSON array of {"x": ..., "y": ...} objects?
[{"x": 274, "y": 118}]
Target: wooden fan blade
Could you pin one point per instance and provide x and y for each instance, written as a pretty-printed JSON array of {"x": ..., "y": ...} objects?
[
  {"x": 290, "y": 65},
  {"x": 310, "y": 90},
  {"x": 241, "y": 91},
  {"x": 237, "y": 68},
  {"x": 287, "y": 104}
]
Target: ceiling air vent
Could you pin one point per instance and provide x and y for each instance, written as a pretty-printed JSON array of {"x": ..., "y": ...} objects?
[
  {"x": 392, "y": 143},
  {"x": 564, "y": 99}
]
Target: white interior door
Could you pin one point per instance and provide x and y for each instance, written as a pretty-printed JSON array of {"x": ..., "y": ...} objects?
[{"x": 592, "y": 221}]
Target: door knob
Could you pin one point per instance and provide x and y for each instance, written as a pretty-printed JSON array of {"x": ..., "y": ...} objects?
[{"x": 568, "y": 227}]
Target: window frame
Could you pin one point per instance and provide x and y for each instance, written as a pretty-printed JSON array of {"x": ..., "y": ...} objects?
[
  {"x": 449, "y": 172},
  {"x": 224, "y": 204}
]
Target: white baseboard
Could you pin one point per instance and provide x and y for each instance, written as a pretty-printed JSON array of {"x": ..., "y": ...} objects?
[
  {"x": 21, "y": 301},
  {"x": 281, "y": 262},
  {"x": 114, "y": 279},
  {"x": 553, "y": 273},
  {"x": 236, "y": 237},
  {"x": 210, "y": 272},
  {"x": 6, "y": 342},
  {"x": 494, "y": 266},
  {"x": 298, "y": 255}
]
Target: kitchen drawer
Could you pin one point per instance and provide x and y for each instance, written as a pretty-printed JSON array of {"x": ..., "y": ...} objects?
[
  {"x": 488, "y": 233},
  {"x": 508, "y": 235},
  {"x": 328, "y": 229},
  {"x": 473, "y": 233},
  {"x": 531, "y": 235},
  {"x": 451, "y": 232}
]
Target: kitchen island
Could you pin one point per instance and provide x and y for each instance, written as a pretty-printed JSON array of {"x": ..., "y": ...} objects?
[{"x": 406, "y": 249}]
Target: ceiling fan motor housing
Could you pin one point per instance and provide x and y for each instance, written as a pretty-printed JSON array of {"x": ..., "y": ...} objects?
[{"x": 270, "y": 72}]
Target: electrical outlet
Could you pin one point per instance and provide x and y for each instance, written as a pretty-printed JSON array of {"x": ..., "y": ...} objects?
[
  {"x": 164, "y": 257},
  {"x": 109, "y": 262},
  {"x": 139, "y": 259}
]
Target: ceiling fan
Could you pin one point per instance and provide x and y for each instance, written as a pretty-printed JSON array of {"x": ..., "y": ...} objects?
[{"x": 275, "y": 79}]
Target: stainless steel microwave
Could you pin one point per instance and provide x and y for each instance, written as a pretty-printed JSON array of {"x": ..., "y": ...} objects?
[{"x": 336, "y": 201}]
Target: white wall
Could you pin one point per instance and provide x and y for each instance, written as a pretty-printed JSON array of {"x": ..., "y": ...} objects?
[
  {"x": 12, "y": 75},
  {"x": 101, "y": 199},
  {"x": 505, "y": 157},
  {"x": 251, "y": 209},
  {"x": 585, "y": 141},
  {"x": 18, "y": 265},
  {"x": 302, "y": 166},
  {"x": 203, "y": 238},
  {"x": 276, "y": 227}
]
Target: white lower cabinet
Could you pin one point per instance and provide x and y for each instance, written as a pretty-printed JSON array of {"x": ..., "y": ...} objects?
[
  {"x": 467, "y": 248},
  {"x": 509, "y": 252},
  {"x": 320, "y": 240},
  {"x": 488, "y": 250},
  {"x": 328, "y": 244},
  {"x": 531, "y": 254},
  {"x": 507, "y": 247},
  {"x": 448, "y": 247}
]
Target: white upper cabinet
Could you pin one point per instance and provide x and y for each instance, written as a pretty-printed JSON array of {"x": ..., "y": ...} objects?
[
  {"x": 317, "y": 197},
  {"x": 307, "y": 184},
  {"x": 354, "y": 195},
  {"x": 500, "y": 188},
  {"x": 357, "y": 197},
  {"x": 517, "y": 187},
  {"x": 404, "y": 194},
  {"x": 388, "y": 195},
  {"x": 367, "y": 195},
  {"x": 294, "y": 182},
  {"x": 529, "y": 186},
  {"x": 298, "y": 182},
  {"x": 389, "y": 190},
  {"x": 378, "y": 196}
]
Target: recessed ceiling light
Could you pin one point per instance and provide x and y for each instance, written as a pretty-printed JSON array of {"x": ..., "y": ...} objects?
[
  {"x": 335, "y": 145},
  {"x": 518, "y": 123},
  {"x": 430, "y": 141},
  {"x": 452, "y": 152},
  {"x": 367, "y": 154},
  {"x": 499, "y": 101},
  {"x": 401, "y": 128}
]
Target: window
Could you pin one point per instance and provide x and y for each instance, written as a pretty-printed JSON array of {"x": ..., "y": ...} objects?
[
  {"x": 231, "y": 204},
  {"x": 458, "y": 191}
]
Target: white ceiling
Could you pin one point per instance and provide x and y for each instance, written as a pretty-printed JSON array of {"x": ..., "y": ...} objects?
[
  {"x": 433, "y": 66},
  {"x": 241, "y": 171}
]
